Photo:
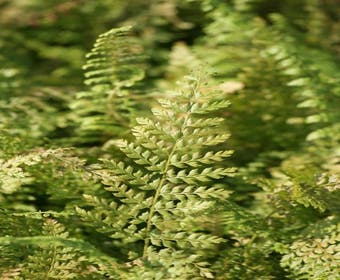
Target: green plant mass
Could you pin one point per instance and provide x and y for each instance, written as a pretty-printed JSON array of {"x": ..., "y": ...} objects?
[{"x": 196, "y": 139}]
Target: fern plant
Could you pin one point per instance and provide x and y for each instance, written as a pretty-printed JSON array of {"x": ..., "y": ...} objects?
[{"x": 161, "y": 195}]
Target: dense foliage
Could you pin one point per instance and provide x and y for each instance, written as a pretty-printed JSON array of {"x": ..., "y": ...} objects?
[{"x": 202, "y": 144}]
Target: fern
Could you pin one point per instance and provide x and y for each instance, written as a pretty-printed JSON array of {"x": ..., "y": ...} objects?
[
  {"x": 114, "y": 69},
  {"x": 164, "y": 191}
]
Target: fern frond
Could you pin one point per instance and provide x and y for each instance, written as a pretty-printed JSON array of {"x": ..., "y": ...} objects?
[
  {"x": 158, "y": 197},
  {"x": 115, "y": 60},
  {"x": 113, "y": 70}
]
